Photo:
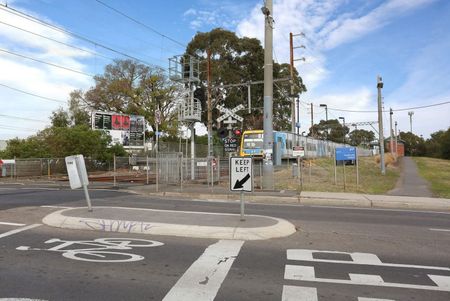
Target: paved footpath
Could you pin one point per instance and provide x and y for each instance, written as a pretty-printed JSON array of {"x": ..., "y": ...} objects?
[{"x": 410, "y": 182}]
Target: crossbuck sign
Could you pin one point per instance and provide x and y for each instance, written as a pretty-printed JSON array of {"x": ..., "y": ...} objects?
[
  {"x": 227, "y": 113},
  {"x": 241, "y": 174}
]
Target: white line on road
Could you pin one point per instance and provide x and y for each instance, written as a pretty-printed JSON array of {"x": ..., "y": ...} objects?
[
  {"x": 373, "y": 299},
  {"x": 306, "y": 273},
  {"x": 443, "y": 230},
  {"x": 203, "y": 279},
  {"x": 12, "y": 232},
  {"x": 58, "y": 207},
  {"x": 299, "y": 293},
  {"x": 357, "y": 258},
  {"x": 11, "y": 224}
]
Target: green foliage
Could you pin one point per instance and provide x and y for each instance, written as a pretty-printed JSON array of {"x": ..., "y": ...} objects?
[
  {"x": 414, "y": 145},
  {"x": 361, "y": 137},
  {"x": 331, "y": 130},
  {"x": 132, "y": 88},
  {"x": 240, "y": 60},
  {"x": 59, "y": 142}
]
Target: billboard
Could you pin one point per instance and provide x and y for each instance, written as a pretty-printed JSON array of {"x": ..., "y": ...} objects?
[{"x": 127, "y": 130}]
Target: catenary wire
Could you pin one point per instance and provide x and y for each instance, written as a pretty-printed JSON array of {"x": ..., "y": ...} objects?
[
  {"x": 47, "y": 63},
  {"x": 32, "y": 94},
  {"x": 80, "y": 37}
]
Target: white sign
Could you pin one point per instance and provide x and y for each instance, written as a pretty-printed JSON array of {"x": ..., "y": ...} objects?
[
  {"x": 298, "y": 151},
  {"x": 76, "y": 169},
  {"x": 241, "y": 175},
  {"x": 230, "y": 114}
]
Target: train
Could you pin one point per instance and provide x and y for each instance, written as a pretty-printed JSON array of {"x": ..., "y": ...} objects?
[{"x": 252, "y": 145}]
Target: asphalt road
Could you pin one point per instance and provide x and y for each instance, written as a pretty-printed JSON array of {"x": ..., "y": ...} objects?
[{"x": 410, "y": 254}]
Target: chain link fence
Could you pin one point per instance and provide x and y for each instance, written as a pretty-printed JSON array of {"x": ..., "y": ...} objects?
[{"x": 174, "y": 169}]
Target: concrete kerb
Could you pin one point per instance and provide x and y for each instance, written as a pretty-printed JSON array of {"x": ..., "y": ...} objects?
[
  {"x": 311, "y": 198},
  {"x": 280, "y": 227}
]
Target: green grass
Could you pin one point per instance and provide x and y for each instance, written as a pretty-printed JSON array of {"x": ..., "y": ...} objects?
[
  {"x": 320, "y": 177},
  {"x": 437, "y": 172}
]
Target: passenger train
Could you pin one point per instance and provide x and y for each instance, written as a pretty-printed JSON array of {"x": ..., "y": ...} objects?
[{"x": 252, "y": 145}]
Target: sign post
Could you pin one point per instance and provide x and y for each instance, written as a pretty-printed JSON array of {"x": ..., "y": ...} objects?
[
  {"x": 76, "y": 169},
  {"x": 346, "y": 154},
  {"x": 241, "y": 177}
]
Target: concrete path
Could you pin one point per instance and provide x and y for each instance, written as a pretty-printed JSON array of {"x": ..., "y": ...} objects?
[{"x": 410, "y": 182}]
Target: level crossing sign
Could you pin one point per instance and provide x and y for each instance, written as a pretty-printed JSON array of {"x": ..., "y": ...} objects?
[{"x": 241, "y": 174}]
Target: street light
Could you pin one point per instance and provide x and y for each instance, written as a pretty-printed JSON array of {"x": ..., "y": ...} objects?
[
  {"x": 343, "y": 127},
  {"x": 326, "y": 116},
  {"x": 326, "y": 110}
]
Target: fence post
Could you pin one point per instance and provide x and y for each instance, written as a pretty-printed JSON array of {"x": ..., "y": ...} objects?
[
  {"x": 114, "y": 170},
  {"x": 48, "y": 168},
  {"x": 146, "y": 162}
]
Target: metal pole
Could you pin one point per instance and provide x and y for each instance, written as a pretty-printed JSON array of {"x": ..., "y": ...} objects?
[
  {"x": 380, "y": 126},
  {"x": 396, "y": 142},
  {"x": 88, "y": 199},
  {"x": 146, "y": 162},
  {"x": 357, "y": 169},
  {"x": 114, "y": 171},
  {"x": 291, "y": 48},
  {"x": 192, "y": 152},
  {"x": 312, "y": 120},
  {"x": 208, "y": 62},
  {"x": 268, "y": 171},
  {"x": 335, "y": 168},
  {"x": 391, "y": 140},
  {"x": 249, "y": 98},
  {"x": 343, "y": 164},
  {"x": 242, "y": 206}
]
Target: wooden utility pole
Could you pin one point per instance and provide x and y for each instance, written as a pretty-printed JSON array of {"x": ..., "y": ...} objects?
[{"x": 312, "y": 120}]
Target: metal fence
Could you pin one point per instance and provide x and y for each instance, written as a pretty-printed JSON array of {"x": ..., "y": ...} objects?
[{"x": 175, "y": 169}]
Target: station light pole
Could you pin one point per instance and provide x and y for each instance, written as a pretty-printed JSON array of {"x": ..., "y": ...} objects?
[{"x": 343, "y": 127}]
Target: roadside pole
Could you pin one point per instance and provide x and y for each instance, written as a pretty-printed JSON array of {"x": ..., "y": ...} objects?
[
  {"x": 114, "y": 171},
  {"x": 146, "y": 171},
  {"x": 343, "y": 165},
  {"x": 335, "y": 168},
  {"x": 241, "y": 178},
  {"x": 357, "y": 169}
]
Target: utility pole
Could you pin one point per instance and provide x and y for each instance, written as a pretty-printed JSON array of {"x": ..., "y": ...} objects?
[
  {"x": 209, "y": 107},
  {"x": 312, "y": 120},
  {"x": 380, "y": 125},
  {"x": 396, "y": 145},
  {"x": 391, "y": 133},
  {"x": 410, "y": 113},
  {"x": 268, "y": 172},
  {"x": 291, "y": 47}
]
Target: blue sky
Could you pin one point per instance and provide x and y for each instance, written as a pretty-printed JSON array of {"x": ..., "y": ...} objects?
[{"x": 348, "y": 43}]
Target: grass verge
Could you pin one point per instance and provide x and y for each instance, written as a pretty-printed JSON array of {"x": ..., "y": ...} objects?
[
  {"x": 437, "y": 172},
  {"x": 319, "y": 175}
]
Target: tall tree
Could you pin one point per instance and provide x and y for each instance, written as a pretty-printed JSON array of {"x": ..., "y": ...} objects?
[
  {"x": 237, "y": 60},
  {"x": 132, "y": 88},
  {"x": 331, "y": 130},
  {"x": 361, "y": 137}
]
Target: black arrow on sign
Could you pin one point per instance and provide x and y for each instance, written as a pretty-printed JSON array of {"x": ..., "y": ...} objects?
[{"x": 240, "y": 184}]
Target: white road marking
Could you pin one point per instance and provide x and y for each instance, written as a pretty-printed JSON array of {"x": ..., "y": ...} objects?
[
  {"x": 357, "y": 258},
  {"x": 11, "y": 224},
  {"x": 58, "y": 207},
  {"x": 299, "y": 293},
  {"x": 304, "y": 273},
  {"x": 203, "y": 279},
  {"x": 366, "y": 279},
  {"x": 373, "y": 299},
  {"x": 443, "y": 230},
  {"x": 12, "y": 232},
  {"x": 441, "y": 281}
]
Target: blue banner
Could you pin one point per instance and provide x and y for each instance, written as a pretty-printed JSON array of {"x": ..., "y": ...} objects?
[{"x": 345, "y": 153}]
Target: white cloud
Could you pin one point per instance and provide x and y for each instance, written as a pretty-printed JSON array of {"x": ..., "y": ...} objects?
[{"x": 34, "y": 77}]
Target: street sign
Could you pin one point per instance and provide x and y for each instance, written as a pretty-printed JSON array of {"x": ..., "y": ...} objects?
[
  {"x": 230, "y": 144},
  {"x": 345, "y": 153},
  {"x": 298, "y": 151},
  {"x": 241, "y": 175},
  {"x": 230, "y": 114}
]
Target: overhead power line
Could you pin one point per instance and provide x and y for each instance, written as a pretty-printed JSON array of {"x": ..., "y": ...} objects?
[
  {"x": 32, "y": 94},
  {"x": 23, "y": 118},
  {"x": 140, "y": 23},
  {"x": 59, "y": 42},
  {"x": 47, "y": 63},
  {"x": 395, "y": 110},
  {"x": 75, "y": 35}
]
